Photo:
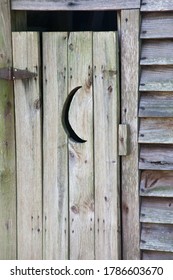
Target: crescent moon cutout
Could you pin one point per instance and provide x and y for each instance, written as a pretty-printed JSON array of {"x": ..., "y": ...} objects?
[{"x": 65, "y": 118}]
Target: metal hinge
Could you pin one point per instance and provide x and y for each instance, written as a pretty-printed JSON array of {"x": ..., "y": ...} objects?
[{"x": 10, "y": 73}]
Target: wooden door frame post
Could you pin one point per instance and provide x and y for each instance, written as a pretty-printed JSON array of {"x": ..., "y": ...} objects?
[{"x": 7, "y": 142}]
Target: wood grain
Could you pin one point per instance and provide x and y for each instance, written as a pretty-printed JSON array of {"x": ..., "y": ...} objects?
[
  {"x": 81, "y": 190},
  {"x": 156, "y": 130},
  {"x": 156, "y": 183},
  {"x": 129, "y": 105},
  {"x": 7, "y": 143},
  {"x": 156, "y": 210},
  {"x": 151, "y": 22},
  {"x": 123, "y": 140},
  {"x": 156, "y": 5},
  {"x": 156, "y": 78},
  {"x": 156, "y": 157},
  {"x": 157, "y": 52},
  {"x": 157, "y": 237},
  {"x": 156, "y": 104},
  {"x": 106, "y": 119},
  {"x": 74, "y": 5},
  {"x": 28, "y": 147},
  {"x": 55, "y": 172}
]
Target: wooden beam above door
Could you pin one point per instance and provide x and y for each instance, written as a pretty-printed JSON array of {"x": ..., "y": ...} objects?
[{"x": 75, "y": 5}]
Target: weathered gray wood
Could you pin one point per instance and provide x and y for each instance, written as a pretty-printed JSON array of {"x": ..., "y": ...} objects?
[
  {"x": 156, "y": 5},
  {"x": 74, "y": 5},
  {"x": 155, "y": 255},
  {"x": 106, "y": 119},
  {"x": 7, "y": 143},
  {"x": 156, "y": 130},
  {"x": 81, "y": 189},
  {"x": 157, "y": 25},
  {"x": 123, "y": 140},
  {"x": 156, "y": 183},
  {"x": 156, "y": 157},
  {"x": 155, "y": 104},
  {"x": 156, "y": 78},
  {"x": 157, "y": 52},
  {"x": 28, "y": 147},
  {"x": 156, "y": 210},
  {"x": 55, "y": 173},
  {"x": 157, "y": 237},
  {"x": 129, "y": 105}
]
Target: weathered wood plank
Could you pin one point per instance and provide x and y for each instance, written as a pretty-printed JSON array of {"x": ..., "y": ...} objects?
[
  {"x": 156, "y": 157},
  {"x": 81, "y": 191},
  {"x": 156, "y": 183},
  {"x": 129, "y": 95},
  {"x": 106, "y": 119},
  {"x": 7, "y": 143},
  {"x": 157, "y": 52},
  {"x": 28, "y": 147},
  {"x": 156, "y": 78},
  {"x": 155, "y": 255},
  {"x": 151, "y": 22},
  {"x": 74, "y": 5},
  {"x": 156, "y": 5},
  {"x": 123, "y": 140},
  {"x": 156, "y": 104},
  {"x": 156, "y": 130},
  {"x": 157, "y": 237},
  {"x": 156, "y": 210},
  {"x": 55, "y": 173}
]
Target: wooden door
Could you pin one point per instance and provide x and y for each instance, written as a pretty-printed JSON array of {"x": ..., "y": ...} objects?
[{"x": 67, "y": 192}]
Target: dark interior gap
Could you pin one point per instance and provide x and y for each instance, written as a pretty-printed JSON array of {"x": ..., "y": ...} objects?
[{"x": 72, "y": 21}]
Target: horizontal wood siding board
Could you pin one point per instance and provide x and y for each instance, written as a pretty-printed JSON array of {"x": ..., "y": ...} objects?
[
  {"x": 156, "y": 255},
  {"x": 156, "y": 210},
  {"x": 156, "y": 5},
  {"x": 157, "y": 237},
  {"x": 156, "y": 157},
  {"x": 55, "y": 5},
  {"x": 157, "y": 52},
  {"x": 151, "y": 23},
  {"x": 156, "y": 130},
  {"x": 156, "y": 78},
  {"x": 156, "y": 104},
  {"x": 156, "y": 183}
]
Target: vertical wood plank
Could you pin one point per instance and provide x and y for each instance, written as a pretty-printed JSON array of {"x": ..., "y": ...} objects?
[
  {"x": 106, "y": 120},
  {"x": 55, "y": 182},
  {"x": 28, "y": 146},
  {"x": 81, "y": 155},
  {"x": 7, "y": 143},
  {"x": 129, "y": 107},
  {"x": 19, "y": 21}
]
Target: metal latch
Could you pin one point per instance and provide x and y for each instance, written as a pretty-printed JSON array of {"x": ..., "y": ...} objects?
[{"x": 10, "y": 73}]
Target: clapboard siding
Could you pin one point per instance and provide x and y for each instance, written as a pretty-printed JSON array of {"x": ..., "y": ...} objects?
[
  {"x": 156, "y": 157},
  {"x": 161, "y": 129},
  {"x": 156, "y": 5},
  {"x": 157, "y": 237},
  {"x": 156, "y": 255},
  {"x": 156, "y": 78},
  {"x": 155, "y": 183},
  {"x": 156, "y": 52},
  {"x": 156, "y": 104},
  {"x": 155, "y": 132},
  {"x": 157, "y": 25},
  {"x": 156, "y": 210}
]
